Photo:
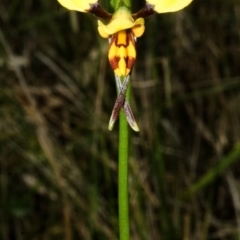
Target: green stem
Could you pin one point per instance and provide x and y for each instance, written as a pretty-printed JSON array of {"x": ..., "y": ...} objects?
[{"x": 123, "y": 176}]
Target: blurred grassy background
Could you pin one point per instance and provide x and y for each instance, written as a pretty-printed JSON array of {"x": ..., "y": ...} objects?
[{"x": 58, "y": 161}]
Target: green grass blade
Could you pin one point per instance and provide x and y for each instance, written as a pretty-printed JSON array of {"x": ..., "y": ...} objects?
[{"x": 211, "y": 175}]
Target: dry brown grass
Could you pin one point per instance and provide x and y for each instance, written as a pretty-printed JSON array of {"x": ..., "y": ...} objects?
[{"x": 58, "y": 161}]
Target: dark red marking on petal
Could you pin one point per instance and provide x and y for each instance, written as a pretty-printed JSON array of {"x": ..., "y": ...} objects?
[
  {"x": 130, "y": 62},
  {"x": 114, "y": 62}
]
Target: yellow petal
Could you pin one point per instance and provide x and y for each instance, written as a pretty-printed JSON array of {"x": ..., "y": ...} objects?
[
  {"x": 138, "y": 28},
  {"x": 102, "y": 31},
  {"x": 77, "y": 5},
  {"x": 162, "y": 6},
  {"x": 121, "y": 20},
  {"x": 113, "y": 27}
]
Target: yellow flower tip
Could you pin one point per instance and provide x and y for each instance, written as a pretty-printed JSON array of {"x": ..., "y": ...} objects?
[
  {"x": 163, "y": 6},
  {"x": 77, "y": 5},
  {"x": 111, "y": 124},
  {"x": 135, "y": 127},
  {"x": 121, "y": 20}
]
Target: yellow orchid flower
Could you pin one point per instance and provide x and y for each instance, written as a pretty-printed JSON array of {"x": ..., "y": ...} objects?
[{"x": 122, "y": 30}]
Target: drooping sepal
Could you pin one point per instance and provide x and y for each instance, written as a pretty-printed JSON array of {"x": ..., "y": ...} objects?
[
  {"x": 129, "y": 116},
  {"x": 121, "y": 102}
]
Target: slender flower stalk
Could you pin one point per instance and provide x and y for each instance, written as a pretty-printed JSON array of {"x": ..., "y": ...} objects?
[{"x": 123, "y": 156}]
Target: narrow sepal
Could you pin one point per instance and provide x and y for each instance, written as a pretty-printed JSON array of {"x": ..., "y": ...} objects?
[
  {"x": 119, "y": 101},
  {"x": 130, "y": 117}
]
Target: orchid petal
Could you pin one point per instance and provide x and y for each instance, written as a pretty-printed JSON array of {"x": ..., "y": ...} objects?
[
  {"x": 121, "y": 20},
  {"x": 77, "y": 5},
  {"x": 163, "y": 6}
]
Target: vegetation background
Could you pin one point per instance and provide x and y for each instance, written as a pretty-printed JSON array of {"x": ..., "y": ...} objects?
[{"x": 58, "y": 161}]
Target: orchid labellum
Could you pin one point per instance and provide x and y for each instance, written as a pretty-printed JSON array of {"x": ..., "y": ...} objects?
[{"x": 122, "y": 31}]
